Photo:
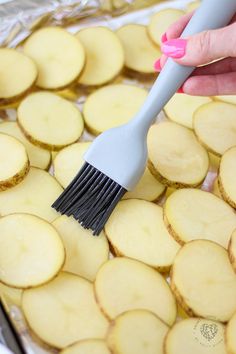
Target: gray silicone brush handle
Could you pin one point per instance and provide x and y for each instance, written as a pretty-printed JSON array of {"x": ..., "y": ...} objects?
[{"x": 211, "y": 14}]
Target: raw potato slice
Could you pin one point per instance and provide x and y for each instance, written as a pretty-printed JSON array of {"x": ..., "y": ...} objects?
[
  {"x": 100, "y": 68},
  {"x": 195, "y": 214},
  {"x": 71, "y": 311},
  {"x": 214, "y": 162},
  {"x": 226, "y": 98},
  {"x": 230, "y": 335},
  {"x": 196, "y": 336},
  {"x": 136, "y": 229},
  {"x": 216, "y": 189},
  {"x": 31, "y": 251},
  {"x": 201, "y": 277},
  {"x": 111, "y": 106},
  {"x": 11, "y": 295},
  {"x": 232, "y": 249},
  {"x": 34, "y": 195},
  {"x": 18, "y": 75},
  {"x": 192, "y": 6},
  {"x": 124, "y": 284},
  {"x": 14, "y": 163},
  {"x": 68, "y": 162},
  {"x": 58, "y": 55},
  {"x": 84, "y": 252},
  {"x": 148, "y": 188},
  {"x": 140, "y": 51},
  {"x": 215, "y": 126},
  {"x": 89, "y": 346},
  {"x": 180, "y": 108},
  {"x": 160, "y": 22},
  {"x": 38, "y": 157},
  {"x": 137, "y": 332},
  {"x": 68, "y": 93},
  {"x": 49, "y": 121},
  {"x": 227, "y": 176},
  {"x": 176, "y": 158}
]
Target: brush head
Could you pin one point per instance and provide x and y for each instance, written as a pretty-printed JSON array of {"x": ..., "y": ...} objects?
[{"x": 90, "y": 198}]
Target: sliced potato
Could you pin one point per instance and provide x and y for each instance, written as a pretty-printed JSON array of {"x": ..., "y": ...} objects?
[
  {"x": 226, "y": 98},
  {"x": 49, "y": 121},
  {"x": 176, "y": 158},
  {"x": 71, "y": 311},
  {"x": 148, "y": 188},
  {"x": 201, "y": 277},
  {"x": 180, "y": 108},
  {"x": 227, "y": 175},
  {"x": 14, "y": 163},
  {"x": 100, "y": 68},
  {"x": 88, "y": 346},
  {"x": 68, "y": 93},
  {"x": 216, "y": 189},
  {"x": 111, "y": 106},
  {"x": 84, "y": 252},
  {"x": 17, "y": 77},
  {"x": 215, "y": 126},
  {"x": 137, "y": 332},
  {"x": 196, "y": 336},
  {"x": 195, "y": 214},
  {"x": 160, "y": 21},
  {"x": 230, "y": 335},
  {"x": 192, "y": 6},
  {"x": 140, "y": 51},
  {"x": 31, "y": 251},
  {"x": 214, "y": 161},
  {"x": 68, "y": 162},
  {"x": 58, "y": 55},
  {"x": 38, "y": 157},
  {"x": 136, "y": 229},
  {"x": 34, "y": 195},
  {"x": 124, "y": 284},
  {"x": 232, "y": 249},
  {"x": 11, "y": 295},
  {"x": 169, "y": 191}
]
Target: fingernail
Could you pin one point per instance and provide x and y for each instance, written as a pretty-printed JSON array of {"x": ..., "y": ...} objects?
[
  {"x": 157, "y": 65},
  {"x": 180, "y": 90},
  {"x": 164, "y": 38},
  {"x": 174, "y": 48}
]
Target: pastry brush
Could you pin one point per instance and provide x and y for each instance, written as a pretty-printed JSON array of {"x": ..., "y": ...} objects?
[{"x": 117, "y": 158}]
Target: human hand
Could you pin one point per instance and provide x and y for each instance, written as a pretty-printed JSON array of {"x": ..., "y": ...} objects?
[{"x": 218, "y": 78}]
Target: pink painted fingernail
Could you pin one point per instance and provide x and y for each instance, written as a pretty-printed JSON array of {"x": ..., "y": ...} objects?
[
  {"x": 174, "y": 48},
  {"x": 164, "y": 38},
  {"x": 180, "y": 90},
  {"x": 157, "y": 65}
]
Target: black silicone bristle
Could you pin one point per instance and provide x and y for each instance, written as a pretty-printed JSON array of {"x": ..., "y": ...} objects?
[{"x": 90, "y": 198}]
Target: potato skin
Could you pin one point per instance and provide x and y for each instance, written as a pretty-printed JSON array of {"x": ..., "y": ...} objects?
[
  {"x": 223, "y": 193},
  {"x": 16, "y": 179},
  {"x": 171, "y": 230},
  {"x": 232, "y": 256}
]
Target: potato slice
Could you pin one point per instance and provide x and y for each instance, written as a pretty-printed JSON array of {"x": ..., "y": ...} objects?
[
  {"x": 14, "y": 163},
  {"x": 160, "y": 21},
  {"x": 176, "y": 158},
  {"x": 100, "y": 68},
  {"x": 11, "y": 295},
  {"x": 137, "y": 332},
  {"x": 192, "y": 6},
  {"x": 71, "y": 311},
  {"x": 38, "y": 157},
  {"x": 195, "y": 214},
  {"x": 136, "y": 229},
  {"x": 34, "y": 195},
  {"x": 214, "y": 161},
  {"x": 111, "y": 106},
  {"x": 216, "y": 189},
  {"x": 232, "y": 249},
  {"x": 31, "y": 251},
  {"x": 134, "y": 286},
  {"x": 201, "y": 277},
  {"x": 148, "y": 188},
  {"x": 88, "y": 346},
  {"x": 196, "y": 336},
  {"x": 84, "y": 252},
  {"x": 226, "y": 98},
  {"x": 68, "y": 93},
  {"x": 49, "y": 121},
  {"x": 58, "y": 55},
  {"x": 180, "y": 108},
  {"x": 227, "y": 175},
  {"x": 215, "y": 126},
  {"x": 18, "y": 75},
  {"x": 68, "y": 162},
  {"x": 140, "y": 51},
  {"x": 230, "y": 335}
]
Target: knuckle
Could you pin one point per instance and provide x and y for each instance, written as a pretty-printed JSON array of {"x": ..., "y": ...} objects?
[{"x": 204, "y": 46}]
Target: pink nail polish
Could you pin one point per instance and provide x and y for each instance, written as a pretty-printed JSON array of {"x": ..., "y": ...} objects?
[
  {"x": 174, "y": 48},
  {"x": 180, "y": 90},
  {"x": 164, "y": 38},
  {"x": 157, "y": 65}
]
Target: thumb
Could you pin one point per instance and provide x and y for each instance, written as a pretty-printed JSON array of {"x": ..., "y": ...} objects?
[{"x": 202, "y": 48}]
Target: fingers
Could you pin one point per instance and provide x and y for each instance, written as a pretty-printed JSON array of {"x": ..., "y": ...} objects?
[
  {"x": 223, "y": 66},
  {"x": 211, "y": 85}
]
